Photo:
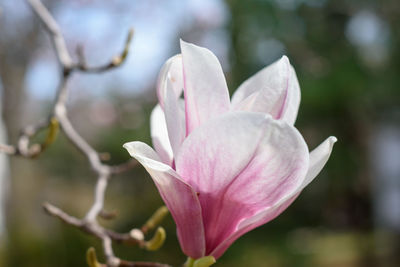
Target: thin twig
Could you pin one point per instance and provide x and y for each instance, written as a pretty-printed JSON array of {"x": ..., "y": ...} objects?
[
  {"x": 23, "y": 147},
  {"x": 103, "y": 234},
  {"x": 54, "y": 211},
  {"x": 141, "y": 264},
  {"x": 98, "y": 204},
  {"x": 108, "y": 215},
  {"x": 97, "y": 231},
  {"x": 121, "y": 168},
  {"x": 59, "y": 115},
  {"x": 54, "y": 31},
  {"x": 115, "y": 62}
]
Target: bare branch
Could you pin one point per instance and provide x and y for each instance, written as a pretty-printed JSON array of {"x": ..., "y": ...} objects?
[
  {"x": 91, "y": 259},
  {"x": 23, "y": 146},
  {"x": 124, "y": 167},
  {"x": 59, "y": 116},
  {"x": 103, "y": 234},
  {"x": 54, "y": 211},
  {"x": 91, "y": 228},
  {"x": 115, "y": 62},
  {"x": 108, "y": 215},
  {"x": 78, "y": 141},
  {"x": 142, "y": 264},
  {"x": 54, "y": 30},
  {"x": 99, "y": 198}
]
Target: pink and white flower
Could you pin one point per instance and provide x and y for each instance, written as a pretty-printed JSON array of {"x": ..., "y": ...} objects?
[{"x": 226, "y": 167}]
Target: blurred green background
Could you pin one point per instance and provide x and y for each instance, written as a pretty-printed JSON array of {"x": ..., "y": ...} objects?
[{"x": 346, "y": 56}]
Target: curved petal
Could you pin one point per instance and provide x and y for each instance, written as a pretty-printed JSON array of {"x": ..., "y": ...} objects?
[
  {"x": 171, "y": 71},
  {"x": 291, "y": 108},
  {"x": 318, "y": 158},
  {"x": 206, "y": 92},
  {"x": 274, "y": 90},
  {"x": 169, "y": 88},
  {"x": 175, "y": 118},
  {"x": 241, "y": 163},
  {"x": 179, "y": 197},
  {"x": 159, "y": 135}
]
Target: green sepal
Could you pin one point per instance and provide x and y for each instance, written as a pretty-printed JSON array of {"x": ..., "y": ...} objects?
[
  {"x": 91, "y": 258},
  {"x": 201, "y": 262},
  {"x": 157, "y": 241}
]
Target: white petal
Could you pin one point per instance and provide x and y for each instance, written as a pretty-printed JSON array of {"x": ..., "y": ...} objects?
[
  {"x": 206, "y": 92},
  {"x": 318, "y": 158},
  {"x": 175, "y": 119},
  {"x": 159, "y": 135},
  {"x": 274, "y": 90},
  {"x": 171, "y": 72}
]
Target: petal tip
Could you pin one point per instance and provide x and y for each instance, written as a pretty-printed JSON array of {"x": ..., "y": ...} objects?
[
  {"x": 186, "y": 46},
  {"x": 332, "y": 139},
  {"x": 184, "y": 43},
  {"x": 285, "y": 59},
  {"x": 130, "y": 147},
  {"x": 127, "y": 145}
]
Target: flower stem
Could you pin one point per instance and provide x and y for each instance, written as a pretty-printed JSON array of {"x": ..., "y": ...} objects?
[{"x": 189, "y": 262}]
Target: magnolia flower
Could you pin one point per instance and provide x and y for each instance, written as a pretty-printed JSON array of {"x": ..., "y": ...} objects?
[{"x": 226, "y": 167}]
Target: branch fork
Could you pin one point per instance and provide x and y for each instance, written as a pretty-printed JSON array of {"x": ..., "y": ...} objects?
[{"x": 58, "y": 121}]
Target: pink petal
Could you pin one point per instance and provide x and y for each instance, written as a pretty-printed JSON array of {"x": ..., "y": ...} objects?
[
  {"x": 179, "y": 197},
  {"x": 240, "y": 163},
  {"x": 251, "y": 223},
  {"x": 206, "y": 92},
  {"x": 159, "y": 135},
  {"x": 274, "y": 90},
  {"x": 318, "y": 158},
  {"x": 171, "y": 72}
]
